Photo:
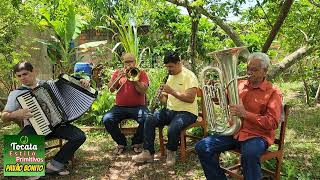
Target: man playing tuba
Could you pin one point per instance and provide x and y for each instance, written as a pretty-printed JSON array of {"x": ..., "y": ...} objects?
[{"x": 260, "y": 112}]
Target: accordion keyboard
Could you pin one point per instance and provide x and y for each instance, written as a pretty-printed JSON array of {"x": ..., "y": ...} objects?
[{"x": 39, "y": 120}]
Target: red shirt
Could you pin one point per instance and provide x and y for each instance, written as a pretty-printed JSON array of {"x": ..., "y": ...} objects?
[
  {"x": 263, "y": 105},
  {"x": 128, "y": 95}
]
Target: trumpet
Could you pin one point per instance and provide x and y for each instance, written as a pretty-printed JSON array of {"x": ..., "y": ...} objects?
[{"x": 132, "y": 74}]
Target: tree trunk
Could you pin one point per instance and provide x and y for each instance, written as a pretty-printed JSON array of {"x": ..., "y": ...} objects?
[
  {"x": 288, "y": 61},
  {"x": 314, "y": 3},
  {"x": 306, "y": 90},
  {"x": 227, "y": 29},
  {"x": 317, "y": 97},
  {"x": 193, "y": 38},
  {"x": 282, "y": 16}
]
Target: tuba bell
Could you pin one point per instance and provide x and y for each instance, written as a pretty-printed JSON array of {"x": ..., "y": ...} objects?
[{"x": 223, "y": 91}]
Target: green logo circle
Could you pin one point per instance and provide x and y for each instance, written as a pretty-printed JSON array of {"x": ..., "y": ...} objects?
[{"x": 24, "y": 139}]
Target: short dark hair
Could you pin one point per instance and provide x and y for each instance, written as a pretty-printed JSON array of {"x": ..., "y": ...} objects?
[
  {"x": 171, "y": 57},
  {"x": 24, "y": 65}
]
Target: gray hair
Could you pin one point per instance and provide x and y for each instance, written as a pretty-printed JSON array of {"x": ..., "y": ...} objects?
[{"x": 264, "y": 58}]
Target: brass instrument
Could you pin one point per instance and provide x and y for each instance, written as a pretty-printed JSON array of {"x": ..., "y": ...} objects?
[
  {"x": 226, "y": 85},
  {"x": 132, "y": 74}
]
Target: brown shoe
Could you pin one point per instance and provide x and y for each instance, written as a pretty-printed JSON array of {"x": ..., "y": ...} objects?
[
  {"x": 171, "y": 158},
  {"x": 145, "y": 156}
]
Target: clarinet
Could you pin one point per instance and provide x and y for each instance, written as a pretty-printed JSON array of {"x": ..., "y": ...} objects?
[{"x": 156, "y": 100}]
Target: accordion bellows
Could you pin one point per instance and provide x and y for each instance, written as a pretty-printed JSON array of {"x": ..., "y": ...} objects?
[{"x": 57, "y": 102}]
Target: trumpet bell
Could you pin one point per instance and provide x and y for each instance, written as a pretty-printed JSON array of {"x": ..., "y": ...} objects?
[{"x": 133, "y": 74}]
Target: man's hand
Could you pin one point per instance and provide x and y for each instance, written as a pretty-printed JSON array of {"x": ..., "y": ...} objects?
[
  {"x": 238, "y": 110},
  {"x": 85, "y": 83},
  {"x": 21, "y": 114},
  {"x": 167, "y": 89}
]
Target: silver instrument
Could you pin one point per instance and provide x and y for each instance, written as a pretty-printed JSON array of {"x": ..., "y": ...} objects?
[{"x": 223, "y": 92}]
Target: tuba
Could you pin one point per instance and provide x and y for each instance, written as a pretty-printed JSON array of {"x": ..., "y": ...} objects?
[{"x": 223, "y": 92}]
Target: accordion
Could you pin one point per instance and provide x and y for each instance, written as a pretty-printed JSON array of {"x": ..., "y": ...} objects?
[{"x": 56, "y": 102}]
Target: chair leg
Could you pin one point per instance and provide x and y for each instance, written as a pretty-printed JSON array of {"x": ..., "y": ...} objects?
[
  {"x": 183, "y": 146},
  {"x": 161, "y": 141},
  {"x": 278, "y": 168},
  {"x": 60, "y": 143}
]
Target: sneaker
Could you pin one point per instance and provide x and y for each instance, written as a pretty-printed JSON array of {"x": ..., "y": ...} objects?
[
  {"x": 52, "y": 170},
  {"x": 171, "y": 158},
  {"x": 145, "y": 156}
]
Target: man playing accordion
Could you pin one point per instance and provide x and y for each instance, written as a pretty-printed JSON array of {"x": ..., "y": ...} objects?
[{"x": 75, "y": 137}]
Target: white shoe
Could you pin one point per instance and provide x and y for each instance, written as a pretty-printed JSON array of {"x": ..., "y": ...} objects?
[
  {"x": 52, "y": 170},
  {"x": 171, "y": 158},
  {"x": 145, "y": 156}
]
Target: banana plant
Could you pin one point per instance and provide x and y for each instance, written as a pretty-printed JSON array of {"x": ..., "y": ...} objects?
[{"x": 63, "y": 31}]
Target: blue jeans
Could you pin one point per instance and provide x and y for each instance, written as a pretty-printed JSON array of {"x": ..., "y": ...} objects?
[
  {"x": 116, "y": 114},
  {"x": 177, "y": 121},
  {"x": 75, "y": 138},
  {"x": 251, "y": 150}
]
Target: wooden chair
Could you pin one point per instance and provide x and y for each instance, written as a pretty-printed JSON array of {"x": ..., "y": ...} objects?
[
  {"x": 234, "y": 170},
  {"x": 127, "y": 130},
  {"x": 201, "y": 122}
]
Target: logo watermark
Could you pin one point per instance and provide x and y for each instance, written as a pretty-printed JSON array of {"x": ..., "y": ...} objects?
[{"x": 24, "y": 155}]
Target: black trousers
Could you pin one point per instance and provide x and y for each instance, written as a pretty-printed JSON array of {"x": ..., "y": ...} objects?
[{"x": 75, "y": 138}]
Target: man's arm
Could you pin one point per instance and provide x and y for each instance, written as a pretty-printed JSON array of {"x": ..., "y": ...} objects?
[
  {"x": 16, "y": 116},
  {"x": 187, "y": 96},
  {"x": 114, "y": 82},
  {"x": 269, "y": 120},
  {"x": 140, "y": 87}
]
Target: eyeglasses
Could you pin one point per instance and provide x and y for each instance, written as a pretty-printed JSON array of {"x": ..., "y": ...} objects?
[{"x": 127, "y": 62}]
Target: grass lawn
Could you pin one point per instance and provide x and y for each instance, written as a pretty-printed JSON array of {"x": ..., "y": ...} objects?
[{"x": 94, "y": 159}]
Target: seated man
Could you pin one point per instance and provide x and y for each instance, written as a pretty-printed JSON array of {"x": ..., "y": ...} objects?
[
  {"x": 260, "y": 113},
  {"x": 130, "y": 104},
  {"x": 180, "y": 93},
  {"x": 13, "y": 112}
]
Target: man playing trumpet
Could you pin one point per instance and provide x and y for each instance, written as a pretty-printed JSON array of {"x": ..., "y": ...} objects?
[
  {"x": 130, "y": 104},
  {"x": 179, "y": 93},
  {"x": 260, "y": 112}
]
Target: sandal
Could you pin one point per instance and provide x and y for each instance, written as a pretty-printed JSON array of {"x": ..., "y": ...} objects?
[
  {"x": 119, "y": 150},
  {"x": 137, "y": 148}
]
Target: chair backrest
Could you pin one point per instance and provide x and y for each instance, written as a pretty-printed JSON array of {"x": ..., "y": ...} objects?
[
  {"x": 202, "y": 111},
  {"x": 280, "y": 141}
]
